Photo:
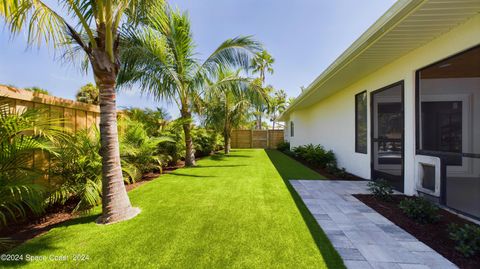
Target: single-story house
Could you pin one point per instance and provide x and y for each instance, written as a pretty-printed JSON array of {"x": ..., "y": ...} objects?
[{"x": 402, "y": 103}]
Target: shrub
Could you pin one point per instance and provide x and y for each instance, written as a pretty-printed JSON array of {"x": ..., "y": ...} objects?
[
  {"x": 21, "y": 134},
  {"x": 315, "y": 155},
  {"x": 467, "y": 238},
  {"x": 205, "y": 141},
  {"x": 76, "y": 170},
  {"x": 283, "y": 146},
  {"x": 381, "y": 189},
  {"x": 139, "y": 151},
  {"x": 420, "y": 210}
]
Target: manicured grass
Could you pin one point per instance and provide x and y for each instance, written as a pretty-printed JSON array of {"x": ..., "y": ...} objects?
[{"x": 230, "y": 211}]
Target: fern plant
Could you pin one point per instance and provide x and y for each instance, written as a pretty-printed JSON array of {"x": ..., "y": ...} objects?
[{"x": 21, "y": 134}]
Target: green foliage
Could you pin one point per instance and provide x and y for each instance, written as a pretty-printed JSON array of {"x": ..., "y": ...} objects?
[
  {"x": 315, "y": 155},
  {"x": 205, "y": 141},
  {"x": 139, "y": 152},
  {"x": 77, "y": 170},
  {"x": 154, "y": 120},
  {"x": 89, "y": 94},
  {"x": 37, "y": 90},
  {"x": 381, "y": 189},
  {"x": 161, "y": 60},
  {"x": 21, "y": 134},
  {"x": 277, "y": 104},
  {"x": 420, "y": 210},
  {"x": 467, "y": 238},
  {"x": 283, "y": 146}
]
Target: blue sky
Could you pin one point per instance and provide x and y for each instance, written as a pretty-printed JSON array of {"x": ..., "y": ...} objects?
[{"x": 304, "y": 37}]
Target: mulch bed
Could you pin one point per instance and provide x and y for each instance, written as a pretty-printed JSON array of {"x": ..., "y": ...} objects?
[
  {"x": 435, "y": 235},
  {"x": 322, "y": 171},
  {"x": 34, "y": 226}
]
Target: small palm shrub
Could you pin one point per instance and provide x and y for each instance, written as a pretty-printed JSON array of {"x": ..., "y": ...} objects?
[
  {"x": 466, "y": 237},
  {"x": 21, "y": 134},
  {"x": 76, "y": 170},
  {"x": 139, "y": 151},
  {"x": 283, "y": 146},
  {"x": 420, "y": 210},
  {"x": 381, "y": 189}
]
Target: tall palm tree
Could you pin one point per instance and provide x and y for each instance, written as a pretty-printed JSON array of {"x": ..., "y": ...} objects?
[
  {"x": 262, "y": 63},
  {"x": 228, "y": 101},
  {"x": 95, "y": 32},
  {"x": 161, "y": 59},
  {"x": 278, "y": 104}
]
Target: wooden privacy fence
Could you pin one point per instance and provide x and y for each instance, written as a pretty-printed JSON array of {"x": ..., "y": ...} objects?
[
  {"x": 77, "y": 115},
  {"x": 256, "y": 138}
]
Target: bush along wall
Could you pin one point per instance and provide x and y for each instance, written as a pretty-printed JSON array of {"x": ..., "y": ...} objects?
[{"x": 317, "y": 158}]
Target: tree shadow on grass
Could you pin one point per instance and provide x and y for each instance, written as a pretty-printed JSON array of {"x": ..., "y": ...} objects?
[
  {"x": 42, "y": 241},
  {"x": 188, "y": 175},
  {"x": 218, "y": 166},
  {"x": 330, "y": 255}
]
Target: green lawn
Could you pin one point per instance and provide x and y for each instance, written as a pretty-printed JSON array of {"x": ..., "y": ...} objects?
[{"x": 230, "y": 211}]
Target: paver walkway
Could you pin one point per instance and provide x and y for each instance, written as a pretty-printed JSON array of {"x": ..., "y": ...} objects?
[{"x": 363, "y": 237}]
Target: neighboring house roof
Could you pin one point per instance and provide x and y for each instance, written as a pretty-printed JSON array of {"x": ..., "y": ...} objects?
[{"x": 407, "y": 25}]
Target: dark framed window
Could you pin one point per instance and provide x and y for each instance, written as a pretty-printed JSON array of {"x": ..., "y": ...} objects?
[
  {"x": 361, "y": 122},
  {"x": 292, "y": 129}
]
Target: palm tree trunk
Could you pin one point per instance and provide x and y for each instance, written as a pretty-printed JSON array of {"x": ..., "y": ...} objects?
[
  {"x": 189, "y": 148},
  {"x": 273, "y": 124},
  {"x": 259, "y": 121},
  {"x": 115, "y": 202},
  {"x": 227, "y": 142}
]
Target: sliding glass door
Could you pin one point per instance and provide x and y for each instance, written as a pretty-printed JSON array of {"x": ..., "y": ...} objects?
[{"x": 387, "y": 135}]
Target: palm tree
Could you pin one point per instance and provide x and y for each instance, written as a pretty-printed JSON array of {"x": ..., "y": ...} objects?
[
  {"x": 95, "y": 32},
  {"x": 228, "y": 101},
  {"x": 278, "y": 104},
  {"x": 161, "y": 59},
  {"x": 262, "y": 63}
]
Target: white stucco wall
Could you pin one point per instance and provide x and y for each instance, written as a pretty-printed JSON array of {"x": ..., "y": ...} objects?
[{"x": 330, "y": 122}]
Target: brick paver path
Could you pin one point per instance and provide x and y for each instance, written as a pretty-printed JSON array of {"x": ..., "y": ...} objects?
[{"x": 363, "y": 237}]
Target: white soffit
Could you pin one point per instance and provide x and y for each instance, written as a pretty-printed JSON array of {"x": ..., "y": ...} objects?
[{"x": 407, "y": 25}]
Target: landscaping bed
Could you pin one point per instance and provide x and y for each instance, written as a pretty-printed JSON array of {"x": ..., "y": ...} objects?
[
  {"x": 435, "y": 235},
  {"x": 323, "y": 172}
]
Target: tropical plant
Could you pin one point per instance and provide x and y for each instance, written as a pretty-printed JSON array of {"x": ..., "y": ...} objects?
[
  {"x": 277, "y": 104},
  {"x": 315, "y": 155},
  {"x": 262, "y": 63},
  {"x": 154, "y": 121},
  {"x": 89, "y": 94},
  {"x": 91, "y": 28},
  {"x": 76, "y": 170},
  {"x": 37, "y": 90},
  {"x": 283, "y": 146},
  {"x": 205, "y": 141},
  {"x": 21, "y": 134},
  {"x": 228, "y": 101},
  {"x": 139, "y": 152},
  {"x": 161, "y": 59}
]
